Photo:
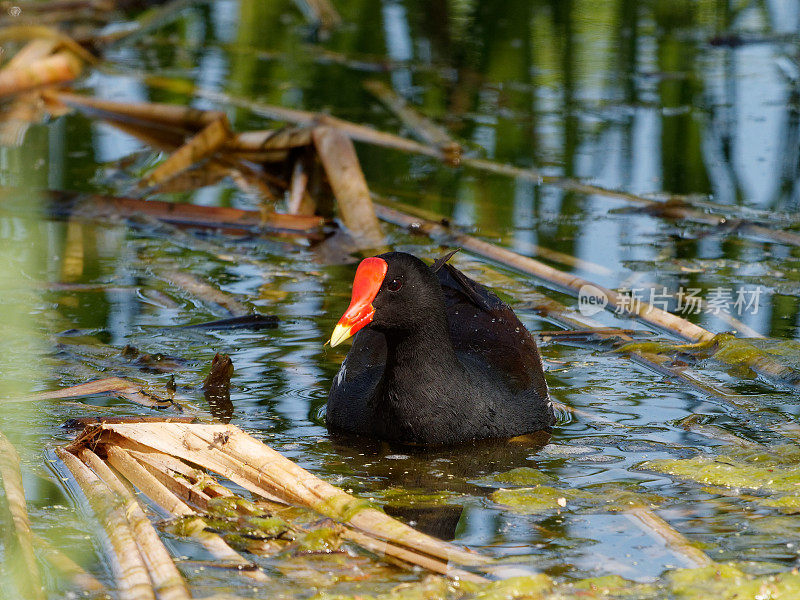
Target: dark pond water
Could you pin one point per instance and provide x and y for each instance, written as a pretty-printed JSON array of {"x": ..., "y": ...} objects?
[{"x": 697, "y": 99}]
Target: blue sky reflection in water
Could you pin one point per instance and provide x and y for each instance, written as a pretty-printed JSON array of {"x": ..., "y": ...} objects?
[{"x": 695, "y": 99}]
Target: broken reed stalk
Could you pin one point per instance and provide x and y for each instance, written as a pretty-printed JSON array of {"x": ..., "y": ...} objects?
[
  {"x": 68, "y": 567},
  {"x": 97, "y": 206},
  {"x": 26, "y": 108},
  {"x": 166, "y": 579},
  {"x": 161, "y": 495},
  {"x": 681, "y": 212},
  {"x": 182, "y": 117},
  {"x": 127, "y": 563},
  {"x": 421, "y": 126},
  {"x": 230, "y": 452},
  {"x": 111, "y": 385},
  {"x": 573, "y": 284},
  {"x": 269, "y": 140},
  {"x": 202, "y": 145},
  {"x": 339, "y": 158},
  {"x": 201, "y": 489},
  {"x": 355, "y": 131},
  {"x": 30, "y": 583},
  {"x": 215, "y": 298},
  {"x": 370, "y": 135},
  {"x": 58, "y": 68},
  {"x": 534, "y": 249},
  {"x": 202, "y": 444},
  {"x": 300, "y": 201},
  {"x": 673, "y": 538},
  {"x": 168, "y": 127},
  {"x": 31, "y": 52},
  {"x": 383, "y": 548},
  {"x": 43, "y": 32},
  {"x": 125, "y": 462}
]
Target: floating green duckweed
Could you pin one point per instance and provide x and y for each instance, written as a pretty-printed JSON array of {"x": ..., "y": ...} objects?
[
  {"x": 267, "y": 526},
  {"x": 533, "y": 586},
  {"x": 774, "y": 356},
  {"x": 343, "y": 506},
  {"x": 789, "y": 503},
  {"x": 729, "y": 472},
  {"x": 323, "y": 539},
  {"x": 523, "y": 476},
  {"x": 411, "y": 497},
  {"x": 537, "y": 499},
  {"x": 230, "y": 506},
  {"x": 611, "y": 586},
  {"x": 719, "y": 581},
  {"x": 605, "y": 497},
  {"x": 726, "y": 582},
  {"x": 607, "y": 582}
]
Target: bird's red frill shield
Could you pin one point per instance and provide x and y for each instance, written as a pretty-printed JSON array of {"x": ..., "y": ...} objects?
[{"x": 367, "y": 283}]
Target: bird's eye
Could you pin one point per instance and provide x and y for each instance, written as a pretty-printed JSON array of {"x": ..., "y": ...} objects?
[{"x": 394, "y": 285}]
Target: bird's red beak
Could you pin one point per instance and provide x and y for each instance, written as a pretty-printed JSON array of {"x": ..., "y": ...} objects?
[{"x": 368, "y": 280}]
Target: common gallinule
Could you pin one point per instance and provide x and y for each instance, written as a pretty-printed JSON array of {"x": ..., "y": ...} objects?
[{"x": 437, "y": 359}]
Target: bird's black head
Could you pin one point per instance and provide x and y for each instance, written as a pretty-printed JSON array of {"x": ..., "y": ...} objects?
[{"x": 393, "y": 293}]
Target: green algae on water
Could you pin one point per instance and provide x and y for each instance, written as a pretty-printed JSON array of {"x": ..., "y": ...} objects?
[
  {"x": 729, "y": 472},
  {"x": 608, "y": 497},
  {"x": 531, "y": 586},
  {"x": 523, "y": 476},
  {"x": 726, "y": 582},
  {"x": 409, "y": 497},
  {"x": 321, "y": 540},
  {"x": 537, "y": 499}
]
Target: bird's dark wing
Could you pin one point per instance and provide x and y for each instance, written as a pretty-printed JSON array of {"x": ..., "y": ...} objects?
[{"x": 485, "y": 328}]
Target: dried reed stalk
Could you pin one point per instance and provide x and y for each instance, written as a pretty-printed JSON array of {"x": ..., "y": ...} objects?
[
  {"x": 154, "y": 489},
  {"x": 355, "y": 131},
  {"x": 68, "y": 567},
  {"x": 673, "y": 538},
  {"x": 338, "y": 156},
  {"x": 270, "y": 140},
  {"x": 300, "y": 200},
  {"x": 29, "y": 586},
  {"x": 202, "y": 145},
  {"x": 228, "y": 451},
  {"x": 112, "y": 385},
  {"x": 43, "y": 32},
  {"x": 31, "y": 52},
  {"x": 127, "y": 563},
  {"x": 98, "y": 206},
  {"x": 223, "y": 302},
  {"x": 182, "y": 117},
  {"x": 421, "y": 126},
  {"x": 381, "y": 547},
  {"x": 166, "y": 579},
  {"x": 57, "y": 68},
  {"x": 370, "y": 135}
]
